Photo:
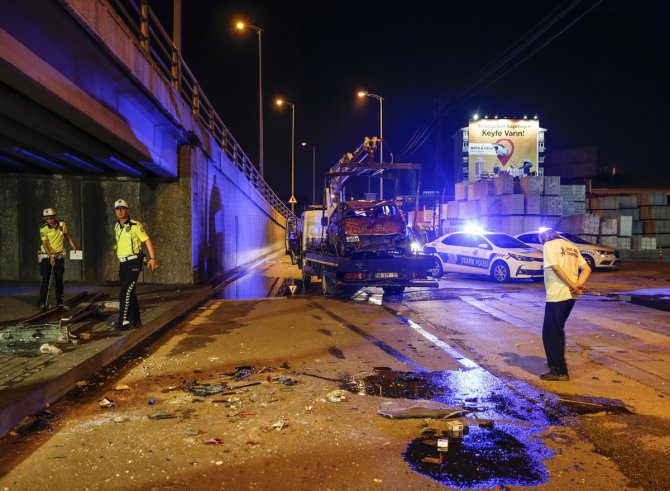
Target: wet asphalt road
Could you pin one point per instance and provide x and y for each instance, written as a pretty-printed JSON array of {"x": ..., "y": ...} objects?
[{"x": 470, "y": 345}]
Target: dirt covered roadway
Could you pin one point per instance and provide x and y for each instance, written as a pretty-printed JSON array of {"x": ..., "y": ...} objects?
[{"x": 285, "y": 393}]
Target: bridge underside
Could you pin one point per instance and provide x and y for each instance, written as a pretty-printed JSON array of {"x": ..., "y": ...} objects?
[{"x": 67, "y": 107}]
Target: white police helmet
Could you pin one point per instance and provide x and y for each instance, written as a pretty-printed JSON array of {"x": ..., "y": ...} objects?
[
  {"x": 48, "y": 212},
  {"x": 120, "y": 203}
]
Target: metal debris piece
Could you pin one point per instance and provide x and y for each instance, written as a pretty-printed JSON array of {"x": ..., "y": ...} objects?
[
  {"x": 50, "y": 349},
  {"x": 213, "y": 441},
  {"x": 587, "y": 405},
  {"x": 202, "y": 390},
  {"x": 162, "y": 415},
  {"x": 105, "y": 403},
  {"x": 246, "y": 385},
  {"x": 33, "y": 336},
  {"x": 282, "y": 380},
  {"x": 337, "y": 396},
  {"x": 121, "y": 387},
  {"x": 285, "y": 365},
  {"x": 455, "y": 429},
  {"x": 422, "y": 412},
  {"x": 433, "y": 460},
  {"x": 170, "y": 389},
  {"x": 280, "y": 424},
  {"x": 442, "y": 444}
]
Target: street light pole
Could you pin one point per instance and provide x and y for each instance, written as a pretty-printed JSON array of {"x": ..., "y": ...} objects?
[
  {"x": 292, "y": 200},
  {"x": 259, "y": 31},
  {"x": 365, "y": 93},
  {"x": 305, "y": 144}
]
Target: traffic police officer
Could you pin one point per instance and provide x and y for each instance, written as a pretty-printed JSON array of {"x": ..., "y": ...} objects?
[
  {"x": 51, "y": 255},
  {"x": 130, "y": 235}
]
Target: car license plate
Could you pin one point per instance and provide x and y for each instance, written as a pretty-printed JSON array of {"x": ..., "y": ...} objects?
[{"x": 386, "y": 275}]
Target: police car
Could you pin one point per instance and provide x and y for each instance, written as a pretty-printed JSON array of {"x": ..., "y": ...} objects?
[
  {"x": 598, "y": 256},
  {"x": 497, "y": 255}
]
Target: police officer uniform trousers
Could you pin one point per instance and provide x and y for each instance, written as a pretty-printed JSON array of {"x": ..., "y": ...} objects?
[
  {"x": 46, "y": 272},
  {"x": 129, "y": 307}
]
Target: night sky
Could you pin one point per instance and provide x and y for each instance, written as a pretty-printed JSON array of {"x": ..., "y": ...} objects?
[{"x": 596, "y": 74}]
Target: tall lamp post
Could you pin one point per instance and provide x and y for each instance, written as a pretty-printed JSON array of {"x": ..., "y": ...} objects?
[
  {"x": 292, "y": 201},
  {"x": 305, "y": 145},
  {"x": 365, "y": 93},
  {"x": 259, "y": 31}
]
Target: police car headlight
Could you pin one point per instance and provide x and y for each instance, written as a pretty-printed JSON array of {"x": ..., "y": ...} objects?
[
  {"x": 603, "y": 253},
  {"x": 519, "y": 257}
]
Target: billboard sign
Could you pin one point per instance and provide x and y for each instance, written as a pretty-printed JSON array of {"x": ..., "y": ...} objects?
[{"x": 502, "y": 145}]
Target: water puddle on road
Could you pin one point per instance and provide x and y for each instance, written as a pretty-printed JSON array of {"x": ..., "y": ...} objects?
[
  {"x": 385, "y": 382},
  {"x": 502, "y": 449},
  {"x": 481, "y": 458},
  {"x": 251, "y": 287}
]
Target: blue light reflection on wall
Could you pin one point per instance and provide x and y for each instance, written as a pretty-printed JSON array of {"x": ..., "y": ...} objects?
[{"x": 40, "y": 159}]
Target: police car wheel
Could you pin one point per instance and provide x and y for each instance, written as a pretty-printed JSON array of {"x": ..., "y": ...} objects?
[
  {"x": 436, "y": 271},
  {"x": 591, "y": 262},
  {"x": 500, "y": 272}
]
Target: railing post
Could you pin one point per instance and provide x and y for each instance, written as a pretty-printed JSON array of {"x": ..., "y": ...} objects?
[
  {"x": 174, "y": 69},
  {"x": 195, "y": 103},
  {"x": 144, "y": 25}
]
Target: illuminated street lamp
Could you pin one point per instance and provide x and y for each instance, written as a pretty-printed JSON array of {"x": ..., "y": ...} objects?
[
  {"x": 365, "y": 93},
  {"x": 305, "y": 145},
  {"x": 292, "y": 201},
  {"x": 241, "y": 26}
]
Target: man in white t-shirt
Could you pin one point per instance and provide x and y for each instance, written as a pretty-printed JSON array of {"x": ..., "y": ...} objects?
[{"x": 565, "y": 272}]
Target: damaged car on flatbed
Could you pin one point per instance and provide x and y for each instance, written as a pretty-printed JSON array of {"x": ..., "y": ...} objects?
[{"x": 358, "y": 227}]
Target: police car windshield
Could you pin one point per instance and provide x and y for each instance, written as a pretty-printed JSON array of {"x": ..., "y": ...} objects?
[
  {"x": 506, "y": 241},
  {"x": 573, "y": 238}
]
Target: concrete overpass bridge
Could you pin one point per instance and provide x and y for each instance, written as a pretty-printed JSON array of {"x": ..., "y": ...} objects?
[{"x": 96, "y": 103}]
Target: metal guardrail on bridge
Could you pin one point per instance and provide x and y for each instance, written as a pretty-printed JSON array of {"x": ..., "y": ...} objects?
[{"x": 157, "y": 44}]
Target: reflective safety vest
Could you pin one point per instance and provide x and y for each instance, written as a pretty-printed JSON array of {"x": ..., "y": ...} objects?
[
  {"x": 129, "y": 238},
  {"x": 53, "y": 236}
]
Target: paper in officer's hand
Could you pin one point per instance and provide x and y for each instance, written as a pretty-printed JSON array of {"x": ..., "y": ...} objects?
[{"x": 76, "y": 255}]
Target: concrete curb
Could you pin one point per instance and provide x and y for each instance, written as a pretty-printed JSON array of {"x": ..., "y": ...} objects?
[{"x": 54, "y": 381}]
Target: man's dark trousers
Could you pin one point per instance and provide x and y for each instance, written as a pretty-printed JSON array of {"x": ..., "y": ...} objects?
[{"x": 553, "y": 333}]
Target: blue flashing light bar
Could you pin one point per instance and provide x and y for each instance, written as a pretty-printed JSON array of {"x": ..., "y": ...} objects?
[{"x": 473, "y": 228}]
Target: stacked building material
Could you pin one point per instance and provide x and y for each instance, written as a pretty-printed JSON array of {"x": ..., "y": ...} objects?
[
  {"x": 503, "y": 184},
  {"x": 640, "y": 242},
  {"x": 582, "y": 225},
  {"x": 498, "y": 208},
  {"x": 552, "y": 186},
  {"x": 574, "y": 199}
]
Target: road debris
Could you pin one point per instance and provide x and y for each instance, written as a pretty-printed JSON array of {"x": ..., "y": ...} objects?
[
  {"x": 280, "y": 424},
  {"x": 202, "y": 390},
  {"x": 423, "y": 412},
  {"x": 162, "y": 415},
  {"x": 50, "y": 349},
  {"x": 213, "y": 441},
  {"x": 282, "y": 380},
  {"x": 105, "y": 403},
  {"x": 336, "y": 396}
]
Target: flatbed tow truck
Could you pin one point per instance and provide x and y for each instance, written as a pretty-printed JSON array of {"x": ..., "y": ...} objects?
[{"x": 357, "y": 243}]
